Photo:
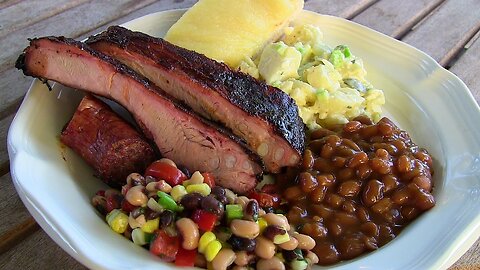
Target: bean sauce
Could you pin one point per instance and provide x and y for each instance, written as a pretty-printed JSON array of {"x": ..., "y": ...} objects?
[{"x": 358, "y": 186}]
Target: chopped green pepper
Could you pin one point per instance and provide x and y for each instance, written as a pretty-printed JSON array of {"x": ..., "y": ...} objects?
[
  {"x": 234, "y": 211},
  {"x": 168, "y": 202}
]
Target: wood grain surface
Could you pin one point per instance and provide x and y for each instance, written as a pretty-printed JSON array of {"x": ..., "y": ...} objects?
[{"x": 447, "y": 30}]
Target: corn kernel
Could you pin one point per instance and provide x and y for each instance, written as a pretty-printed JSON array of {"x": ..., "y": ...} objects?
[
  {"x": 178, "y": 192},
  {"x": 262, "y": 223},
  {"x": 151, "y": 225},
  {"x": 117, "y": 220},
  {"x": 203, "y": 189},
  {"x": 281, "y": 238},
  {"x": 206, "y": 238},
  {"x": 212, "y": 250}
]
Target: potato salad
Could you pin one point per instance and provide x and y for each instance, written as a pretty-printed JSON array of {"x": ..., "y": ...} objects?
[{"x": 328, "y": 84}]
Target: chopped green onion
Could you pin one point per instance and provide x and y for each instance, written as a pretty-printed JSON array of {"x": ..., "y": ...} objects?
[
  {"x": 336, "y": 58},
  {"x": 140, "y": 237}
]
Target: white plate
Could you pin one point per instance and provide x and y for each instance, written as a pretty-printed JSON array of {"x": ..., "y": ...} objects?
[{"x": 433, "y": 105}]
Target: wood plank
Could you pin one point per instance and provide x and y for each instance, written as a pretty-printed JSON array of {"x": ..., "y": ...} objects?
[
  {"x": 470, "y": 260},
  {"x": 71, "y": 23},
  {"x": 443, "y": 34},
  {"x": 17, "y": 234},
  {"x": 13, "y": 86},
  {"x": 13, "y": 211},
  {"x": 4, "y": 124},
  {"x": 155, "y": 7},
  {"x": 38, "y": 252},
  {"x": 467, "y": 68},
  {"x": 7, "y": 3},
  {"x": 384, "y": 16},
  {"x": 27, "y": 13},
  {"x": 345, "y": 8}
]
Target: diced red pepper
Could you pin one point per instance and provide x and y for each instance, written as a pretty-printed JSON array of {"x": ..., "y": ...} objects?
[
  {"x": 127, "y": 207},
  {"x": 185, "y": 257},
  {"x": 100, "y": 193},
  {"x": 265, "y": 199},
  {"x": 204, "y": 219},
  {"x": 164, "y": 171},
  {"x": 208, "y": 179},
  {"x": 164, "y": 245},
  {"x": 269, "y": 188}
]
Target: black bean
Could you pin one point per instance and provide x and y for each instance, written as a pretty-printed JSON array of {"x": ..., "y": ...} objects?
[
  {"x": 149, "y": 214},
  {"x": 185, "y": 171},
  {"x": 269, "y": 210},
  {"x": 191, "y": 201},
  {"x": 219, "y": 194},
  {"x": 251, "y": 210},
  {"x": 212, "y": 205},
  {"x": 291, "y": 255},
  {"x": 166, "y": 218},
  {"x": 242, "y": 244},
  {"x": 273, "y": 230}
]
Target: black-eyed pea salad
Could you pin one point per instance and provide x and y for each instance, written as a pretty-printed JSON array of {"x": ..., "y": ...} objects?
[{"x": 188, "y": 220}]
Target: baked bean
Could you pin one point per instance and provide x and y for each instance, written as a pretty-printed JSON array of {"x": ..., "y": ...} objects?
[
  {"x": 357, "y": 159},
  {"x": 327, "y": 253},
  {"x": 349, "y": 206},
  {"x": 320, "y": 133},
  {"x": 273, "y": 263},
  {"x": 372, "y": 192},
  {"x": 423, "y": 182},
  {"x": 379, "y": 165},
  {"x": 370, "y": 229},
  {"x": 325, "y": 179},
  {"x": 334, "y": 200},
  {"x": 189, "y": 231},
  {"x": 351, "y": 145},
  {"x": 322, "y": 210},
  {"x": 296, "y": 214},
  {"x": 382, "y": 206},
  {"x": 363, "y": 171},
  {"x": 318, "y": 194},
  {"x": 307, "y": 182},
  {"x": 290, "y": 244},
  {"x": 390, "y": 182},
  {"x": 363, "y": 119},
  {"x": 244, "y": 228},
  {"x": 338, "y": 161},
  {"x": 265, "y": 248},
  {"x": 304, "y": 241},
  {"x": 364, "y": 182},
  {"x": 294, "y": 193},
  {"x": 345, "y": 174},
  {"x": 349, "y": 188},
  {"x": 327, "y": 151},
  {"x": 308, "y": 159},
  {"x": 224, "y": 259},
  {"x": 352, "y": 126},
  {"x": 136, "y": 196}
]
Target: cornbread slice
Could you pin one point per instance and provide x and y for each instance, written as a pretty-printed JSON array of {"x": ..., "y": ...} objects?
[{"x": 230, "y": 30}]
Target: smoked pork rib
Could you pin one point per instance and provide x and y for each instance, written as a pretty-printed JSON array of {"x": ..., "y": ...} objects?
[
  {"x": 180, "y": 135},
  {"x": 264, "y": 116},
  {"x": 107, "y": 142}
]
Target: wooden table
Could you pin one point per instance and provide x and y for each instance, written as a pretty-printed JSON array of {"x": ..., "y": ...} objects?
[{"x": 445, "y": 29}]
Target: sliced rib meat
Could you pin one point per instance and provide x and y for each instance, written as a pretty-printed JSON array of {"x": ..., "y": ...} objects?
[
  {"x": 180, "y": 135},
  {"x": 106, "y": 142},
  {"x": 264, "y": 116}
]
